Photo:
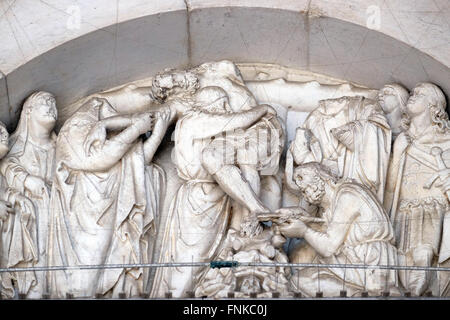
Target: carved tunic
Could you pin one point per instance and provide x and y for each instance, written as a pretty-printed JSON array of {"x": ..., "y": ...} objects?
[
  {"x": 418, "y": 208},
  {"x": 367, "y": 163},
  {"x": 369, "y": 240}
]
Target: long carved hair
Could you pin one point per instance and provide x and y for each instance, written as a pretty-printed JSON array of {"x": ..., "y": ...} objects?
[
  {"x": 318, "y": 170},
  {"x": 438, "y": 114}
]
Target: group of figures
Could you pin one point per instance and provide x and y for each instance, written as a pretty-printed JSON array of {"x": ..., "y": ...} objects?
[{"x": 372, "y": 179}]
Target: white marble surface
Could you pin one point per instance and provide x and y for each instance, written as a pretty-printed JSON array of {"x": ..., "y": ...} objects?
[
  {"x": 122, "y": 41},
  {"x": 421, "y": 24},
  {"x": 104, "y": 59},
  {"x": 238, "y": 33},
  {"x": 107, "y": 192},
  {"x": 29, "y": 28}
]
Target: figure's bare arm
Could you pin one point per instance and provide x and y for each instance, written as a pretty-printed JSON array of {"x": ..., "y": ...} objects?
[
  {"x": 116, "y": 122},
  {"x": 98, "y": 133},
  {"x": 129, "y": 99},
  {"x": 107, "y": 152},
  {"x": 206, "y": 125},
  {"x": 164, "y": 118}
]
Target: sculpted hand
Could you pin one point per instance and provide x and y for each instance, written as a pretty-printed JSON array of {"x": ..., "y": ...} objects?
[
  {"x": 5, "y": 209},
  {"x": 36, "y": 186},
  {"x": 344, "y": 134},
  {"x": 143, "y": 122},
  {"x": 96, "y": 137},
  {"x": 163, "y": 120},
  {"x": 26, "y": 208},
  {"x": 293, "y": 228}
]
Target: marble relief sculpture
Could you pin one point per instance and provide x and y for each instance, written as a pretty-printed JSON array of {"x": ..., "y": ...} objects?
[
  {"x": 28, "y": 170},
  {"x": 418, "y": 188},
  {"x": 7, "y": 217},
  {"x": 352, "y": 228},
  {"x": 200, "y": 213},
  {"x": 104, "y": 199},
  {"x": 348, "y": 135},
  {"x": 364, "y": 179}
]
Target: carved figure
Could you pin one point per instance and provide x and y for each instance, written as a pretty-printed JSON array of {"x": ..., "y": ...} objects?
[
  {"x": 6, "y": 215},
  {"x": 353, "y": 229},
  {"x": 350, "y": 136},
  {"x": 28, "y": 169},
  {"x": 418, "y": 186},
  {"x": 105, "y": 198},
  {"x": 392, "y": 99},
  {"x": 199, "y": 213}
]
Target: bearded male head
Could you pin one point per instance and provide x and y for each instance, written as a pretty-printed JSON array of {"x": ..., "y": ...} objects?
[{"x": 311, "y": 179}]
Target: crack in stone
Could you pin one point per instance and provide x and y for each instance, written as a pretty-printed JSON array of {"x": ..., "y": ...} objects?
[
  {"x": 188, "y": 28},
  {"x": 8, "y": 101}
]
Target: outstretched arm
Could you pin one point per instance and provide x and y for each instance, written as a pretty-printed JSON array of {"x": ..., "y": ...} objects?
[
  {"x": 105, "y": 153},
  {"x": 164, "y": 118},
  {"x": 207, "y": 125},
  {"x": 99, "y": 132},
  {"x": 129, "y": 99},
  {"x": 325, "y": 243}
]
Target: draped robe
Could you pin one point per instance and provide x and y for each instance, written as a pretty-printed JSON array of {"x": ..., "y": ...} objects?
[
  {"x": 24, "y": 234},
  {"x": 420, "y": 211},
  {"x": 198, "y": 216},
  {"x": 368, "y": 162},
  {"x": 100, "y": 217},
  {"x": 369, "y": 240}
]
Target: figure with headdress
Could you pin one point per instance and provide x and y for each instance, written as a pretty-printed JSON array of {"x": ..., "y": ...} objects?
[
  {"x": 28, "y": 170},
  {"x": 106, "y": 195}
]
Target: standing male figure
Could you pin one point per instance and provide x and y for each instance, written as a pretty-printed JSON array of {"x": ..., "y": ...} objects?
[
  {"x": 199, "y": 214},
  {"x": 417, "y": 192}
]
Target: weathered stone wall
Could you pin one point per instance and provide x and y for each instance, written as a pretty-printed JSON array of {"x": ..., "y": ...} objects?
[{"x": 73, "y": 48}]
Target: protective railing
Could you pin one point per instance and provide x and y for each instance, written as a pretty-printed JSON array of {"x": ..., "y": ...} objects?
[{"x": 234, "y": 264}]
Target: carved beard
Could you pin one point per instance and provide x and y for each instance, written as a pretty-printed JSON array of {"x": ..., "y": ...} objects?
[{"x": 314, "y": 192}]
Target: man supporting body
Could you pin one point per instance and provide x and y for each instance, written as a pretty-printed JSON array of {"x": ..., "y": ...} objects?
[{"x": 199, "y": 214}]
